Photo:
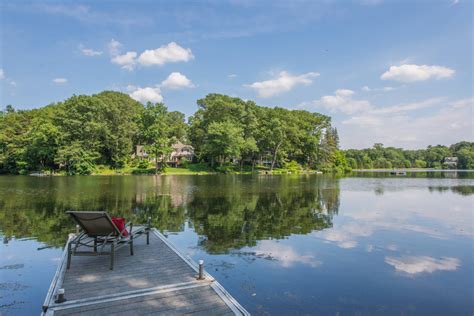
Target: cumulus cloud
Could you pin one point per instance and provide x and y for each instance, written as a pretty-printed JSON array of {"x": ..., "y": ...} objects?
[
  {"x": 396, "y": 126},
  {"x": 404, "y": 125},
  {"x": 169, "y": 53},
  {"x": 114, "y": 47},
  {"x": 177, "y": 80},
  {"x": 341, "y": 101},
  {"x": 422, "y": 264},
  {"x": 412, "y": 73},
  {"x": 147, "y": 94},
  {"x": 126, "y": 61},
  {"x": 89, "y": 51},
  {"x": 283, "y": 83},
  {"x": 60, "y": 80}
]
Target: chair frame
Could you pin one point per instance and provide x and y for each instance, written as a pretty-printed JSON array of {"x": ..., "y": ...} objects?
[{"x": 97, "y": 242}]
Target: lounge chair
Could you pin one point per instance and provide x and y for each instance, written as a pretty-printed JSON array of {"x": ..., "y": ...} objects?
[{"x": 98, "y": 231}]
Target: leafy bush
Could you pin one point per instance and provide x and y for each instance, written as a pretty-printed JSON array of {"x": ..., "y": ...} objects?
[
  {"x": 292, "y": 166},
  {"x": 143, "y": 164},
  {"x": 184, "y": 162}
]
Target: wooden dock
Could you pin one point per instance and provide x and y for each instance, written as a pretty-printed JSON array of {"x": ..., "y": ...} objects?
[{"x": 157, "y": 280}]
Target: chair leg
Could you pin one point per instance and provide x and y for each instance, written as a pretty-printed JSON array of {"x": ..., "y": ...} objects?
[
  {"x": 69, "y": 253},
  {"x": 112, "y": 255},
  {"x": 148, "y": 228}
]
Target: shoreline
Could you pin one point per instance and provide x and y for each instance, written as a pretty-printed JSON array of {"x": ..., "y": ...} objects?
[{"x": 413, "y": 170}]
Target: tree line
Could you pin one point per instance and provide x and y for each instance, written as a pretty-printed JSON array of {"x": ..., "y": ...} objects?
[
  {"x": 84, "y": 133},
  {"x": 226, "y": 130},
  {"x": 432, "y": 157}
]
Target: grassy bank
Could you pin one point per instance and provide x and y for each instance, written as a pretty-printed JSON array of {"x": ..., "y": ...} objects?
[{"x": 191, "y": 169}]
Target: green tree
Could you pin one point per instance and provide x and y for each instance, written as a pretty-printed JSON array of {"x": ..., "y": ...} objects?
[
  {"x": 75, "y": 159},
  {"x": 466, "y": 158},
  {"x": 155, "y": 132},
  {"x": 224, "y": 140}
]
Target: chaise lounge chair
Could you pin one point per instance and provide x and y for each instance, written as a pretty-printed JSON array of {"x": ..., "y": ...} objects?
[{"x": 98, "y": 231}]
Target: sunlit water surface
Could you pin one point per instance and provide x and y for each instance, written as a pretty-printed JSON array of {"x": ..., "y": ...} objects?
[{"x": 281, "y": 245}]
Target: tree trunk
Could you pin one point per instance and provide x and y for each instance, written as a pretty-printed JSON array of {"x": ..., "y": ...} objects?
[
  {"x": 156, "y": 162},
  {"x": 275, "y": 152}
]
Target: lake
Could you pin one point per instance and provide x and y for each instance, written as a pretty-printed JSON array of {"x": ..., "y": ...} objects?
[{"x": 366, "y": 244}]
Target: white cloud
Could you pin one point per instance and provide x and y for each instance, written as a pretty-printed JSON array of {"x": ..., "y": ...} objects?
[
  {"x": 143, "y": 95},
  {"x": 131, "y": 87},
  {"x": 177, "y": 80},
  {"x": 232, "y": 76},
  {"x": 89, "y": 52},
  {"x": 126, "y": 61},
  {"x": 423, "y": 264},
  {"x": 2, "y": 74},
  {"x": 412, "y": 73},
  {"x": 384, "y": 89},
  {"x": 114, "y": 47},
  {"x": 407, "y": 107},
  {"x": 60, "y": 80},
  {"x": 396, "y": 126},
  {"x": 283, "y": 83},
  {"x": 341, "y": 101},
  {"x": 169, "y": 53}
]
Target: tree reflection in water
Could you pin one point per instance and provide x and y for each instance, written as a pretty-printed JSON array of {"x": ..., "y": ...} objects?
[{"x": 227, "y": 211}]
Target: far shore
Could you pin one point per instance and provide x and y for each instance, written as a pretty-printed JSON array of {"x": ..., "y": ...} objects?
[
  {"x": 179, "y": 171},
  {"x": 412, "y": 170}
]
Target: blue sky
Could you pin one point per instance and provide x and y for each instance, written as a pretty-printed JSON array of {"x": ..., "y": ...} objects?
[{"x": 395, "y": 72}]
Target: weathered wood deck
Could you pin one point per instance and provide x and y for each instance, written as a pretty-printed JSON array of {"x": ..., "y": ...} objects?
[{"x": 157, "y": 280}]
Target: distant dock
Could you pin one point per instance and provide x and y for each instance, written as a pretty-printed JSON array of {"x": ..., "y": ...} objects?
[{"x": 157, "y": 280}]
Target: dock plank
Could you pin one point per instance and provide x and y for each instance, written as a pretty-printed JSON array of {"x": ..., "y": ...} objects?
[{"x": 157, "y": 280}]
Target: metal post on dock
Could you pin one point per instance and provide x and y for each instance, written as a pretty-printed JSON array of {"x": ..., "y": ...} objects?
[
  {"x": 77, "y": 229},
  {"x": 60, "y": 298},
  {"x": 201, "y": 270}
]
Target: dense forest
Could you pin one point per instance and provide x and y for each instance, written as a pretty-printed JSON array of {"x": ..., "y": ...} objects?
[{"x": 84, "y": 134}]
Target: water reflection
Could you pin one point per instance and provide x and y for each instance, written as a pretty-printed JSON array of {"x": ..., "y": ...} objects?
[
  {"x": 280, "y": 244},
  {"x": 412, "y": 265},
  {"x": 229, "y": 212}
]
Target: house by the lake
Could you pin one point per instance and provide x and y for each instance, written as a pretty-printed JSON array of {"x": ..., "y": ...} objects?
[
  {"x": 180, "y": 153},
  {"x": 450, "y": 162}
]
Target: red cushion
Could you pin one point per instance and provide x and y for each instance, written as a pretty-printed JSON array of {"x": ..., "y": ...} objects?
[{"x": 120, "y": 223}]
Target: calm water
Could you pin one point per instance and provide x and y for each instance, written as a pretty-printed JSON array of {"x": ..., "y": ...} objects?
[{"x": 366, "y": 244}]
